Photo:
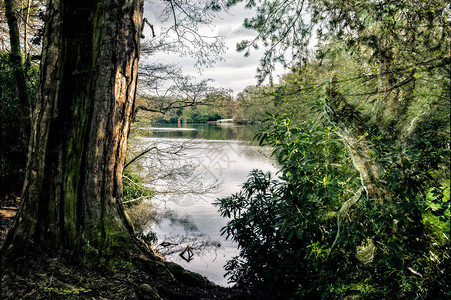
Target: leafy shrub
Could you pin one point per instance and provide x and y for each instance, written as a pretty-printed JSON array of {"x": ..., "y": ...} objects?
[
  {"x": 326, "y": 229},
  {"x": 141, "y": 212},
  {"x": 134, "y": 189},
  {"x": 12, "y": 149}
]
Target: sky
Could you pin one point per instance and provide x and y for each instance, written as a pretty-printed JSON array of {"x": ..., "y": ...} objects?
[{"x": 234, "y": 72}]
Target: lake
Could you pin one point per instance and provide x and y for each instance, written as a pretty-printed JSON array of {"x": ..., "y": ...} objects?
[{"x": 191, "y": 167}]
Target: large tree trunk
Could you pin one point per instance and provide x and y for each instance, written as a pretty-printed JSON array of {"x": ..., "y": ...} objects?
[{"x": 72, "y": 192}]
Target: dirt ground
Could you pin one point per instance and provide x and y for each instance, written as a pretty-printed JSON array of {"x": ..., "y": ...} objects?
[
  {"x": 52, "y": 276},
  {"x": 8, "y": 209}
]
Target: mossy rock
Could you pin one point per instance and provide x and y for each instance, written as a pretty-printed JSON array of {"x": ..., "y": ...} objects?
[
  {"x": 146, "y": 292},
  {"x": 187, "y": 277}
]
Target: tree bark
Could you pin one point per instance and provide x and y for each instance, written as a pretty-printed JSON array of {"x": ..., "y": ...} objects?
[
  {"x": 19, "y": 71},
  {"x": 72, "y": 192}
]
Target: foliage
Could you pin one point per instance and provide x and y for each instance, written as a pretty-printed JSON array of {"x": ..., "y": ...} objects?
[
  {"x": 13, "y": 153},
  {"x": 134, "y": 189},
  {"x": 30, "y": 16},
  {"x": 140, "y": 211},
  {"x": 317, "y": 231},
  {"x": 361, "y": 208},
  {"x": 220, "y": 107},
  {"x": 210, "y": 107},
  {"x": 278, "y": 223},
  {"x": 252, "y": 105},
  {"x": 401, "y": 36}
]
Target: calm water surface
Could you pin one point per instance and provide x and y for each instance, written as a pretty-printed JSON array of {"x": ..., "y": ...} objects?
[{"x": 193, "y": 167}]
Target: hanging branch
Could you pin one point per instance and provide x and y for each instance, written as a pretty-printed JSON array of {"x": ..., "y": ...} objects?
[{"x": 140, "y": 155}]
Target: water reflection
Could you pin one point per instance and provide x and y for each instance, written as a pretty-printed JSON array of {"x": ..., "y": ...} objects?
[
  {"x": 224, "y": 131},
  {"x": 205, "y": 162}
]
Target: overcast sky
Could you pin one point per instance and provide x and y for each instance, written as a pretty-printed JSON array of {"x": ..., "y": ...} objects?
[{"x": 235, "y": 72}]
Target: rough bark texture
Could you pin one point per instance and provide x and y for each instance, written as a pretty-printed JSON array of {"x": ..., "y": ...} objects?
[
  {"x": 19, "y": 71},
  {"x": 73, "y": 183}
]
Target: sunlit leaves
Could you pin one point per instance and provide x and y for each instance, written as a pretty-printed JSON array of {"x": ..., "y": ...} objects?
[{"x": 314, "y": 228}]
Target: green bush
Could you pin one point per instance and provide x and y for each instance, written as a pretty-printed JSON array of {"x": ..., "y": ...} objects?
[
  {"x": 324, "y": 229},
  {"x": 134, "y": 189},
  {"x": 140, "y": 211},
  {"x": 12, "y": 150}
]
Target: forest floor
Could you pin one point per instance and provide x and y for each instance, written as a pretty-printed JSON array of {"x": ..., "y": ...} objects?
[
  {"x": 8, "y": 209},
  {"x": 53, "y": 276}
]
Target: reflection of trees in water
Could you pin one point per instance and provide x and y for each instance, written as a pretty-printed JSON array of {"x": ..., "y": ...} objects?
[
  {"x": 200, "y": 244},
  {"x": 172, "y": 168},
  {"x": 184, "y": 170},
  {"x": 185, "y": 221},
  {"x": 170, "y": 244}
]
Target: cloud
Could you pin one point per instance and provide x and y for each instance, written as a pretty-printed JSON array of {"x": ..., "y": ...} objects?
[
  {"x": 235, "y": 72},
  {"x": 235, "y": 32}
]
